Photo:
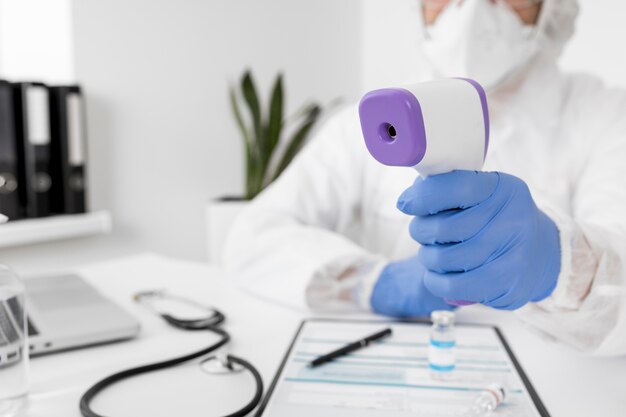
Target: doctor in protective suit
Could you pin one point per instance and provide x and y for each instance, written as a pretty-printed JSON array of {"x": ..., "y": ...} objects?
[{"x": 542, "y": 230}]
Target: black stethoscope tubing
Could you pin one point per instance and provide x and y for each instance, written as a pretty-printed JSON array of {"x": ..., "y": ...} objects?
[{"x": 211, "y": 324}]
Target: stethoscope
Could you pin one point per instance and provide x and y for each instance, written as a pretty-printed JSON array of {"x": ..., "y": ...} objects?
[{"x": 218, "y": 364}]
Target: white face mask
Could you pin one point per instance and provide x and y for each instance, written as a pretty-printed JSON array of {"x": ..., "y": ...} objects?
[{"x": 480, "y": 40}]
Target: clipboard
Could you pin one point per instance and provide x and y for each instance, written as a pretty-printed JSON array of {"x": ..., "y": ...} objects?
[{"x": 391, "y": 377}]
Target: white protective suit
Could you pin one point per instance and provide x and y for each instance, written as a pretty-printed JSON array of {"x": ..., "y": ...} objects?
[{"x": 322, "y": 233}]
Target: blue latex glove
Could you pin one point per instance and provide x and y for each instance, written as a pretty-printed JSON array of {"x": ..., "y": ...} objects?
[
  {"x": 483, "y": 238},
  {"x": 400, "y": 291}
]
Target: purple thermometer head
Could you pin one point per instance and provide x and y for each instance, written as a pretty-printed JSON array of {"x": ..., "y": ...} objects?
[
  {"x": 393, "y": 126},
  {"x": 459, "y": 303}
]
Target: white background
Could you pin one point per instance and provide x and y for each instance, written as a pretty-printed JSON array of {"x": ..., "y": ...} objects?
[
  {"x": 162, "y": 139},
  {"x": 29, "y": 53},
  {"x": 388, "y": 41}
]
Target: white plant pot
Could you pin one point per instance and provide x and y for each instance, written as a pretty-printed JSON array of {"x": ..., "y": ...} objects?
[{"x": 220, "y": 215}]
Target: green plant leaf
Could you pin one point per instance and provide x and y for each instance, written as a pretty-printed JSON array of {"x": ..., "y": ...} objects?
[
  {"x": 249, "y": 150},
  {"x": 234, "y": 104},
  {"x": 298, "y": 139},
  {"x": 250, "y": 95},
  {"x": 275, "y": 122},
  {"x": 262, "y": 135},
  {"x": 251, "y": 179},
  {"x": 259, "y": 141},
  {"x": 304, "y": 110}
]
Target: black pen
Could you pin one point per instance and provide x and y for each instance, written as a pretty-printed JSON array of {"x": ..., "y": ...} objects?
[{"x": 349, "y": 348}]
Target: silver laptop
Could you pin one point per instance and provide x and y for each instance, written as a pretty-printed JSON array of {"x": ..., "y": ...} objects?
[{"x": 65, "y": 312}]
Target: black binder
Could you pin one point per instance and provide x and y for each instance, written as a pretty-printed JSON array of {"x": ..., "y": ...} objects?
[
  {"x": 68, "y": 145},
  {"x": 32, "y": 111},
  {"x": 10, "y": 204}
]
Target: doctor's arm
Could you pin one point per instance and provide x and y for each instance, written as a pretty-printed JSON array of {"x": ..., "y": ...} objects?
[
  {"x": 291, "y": 244},
  {"x": 587, "y": 309}
]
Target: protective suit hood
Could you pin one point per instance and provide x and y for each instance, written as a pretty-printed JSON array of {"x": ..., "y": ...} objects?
[{"x": 557, "y": 22}]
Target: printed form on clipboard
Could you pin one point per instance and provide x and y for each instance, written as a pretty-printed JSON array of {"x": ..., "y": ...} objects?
[{"x": 391, "y": 378}]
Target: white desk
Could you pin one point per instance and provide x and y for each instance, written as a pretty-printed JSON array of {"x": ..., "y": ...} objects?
[{"x": 569, "y": 384}]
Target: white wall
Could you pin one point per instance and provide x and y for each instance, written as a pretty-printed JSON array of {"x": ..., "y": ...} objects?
[
  {"x": 36, "y": 41},
  {"x": 389, "y": 35},
  {"x": 163, "y": 140},
  {"x": 390, "y": 53},
  {"x": 598, "y": 45}
]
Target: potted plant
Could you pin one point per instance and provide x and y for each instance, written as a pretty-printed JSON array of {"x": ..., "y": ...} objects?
[{"x": 271, "y": 141}]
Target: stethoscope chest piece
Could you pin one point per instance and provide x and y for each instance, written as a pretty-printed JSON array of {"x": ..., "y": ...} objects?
[{"x": 220, "y": 364}]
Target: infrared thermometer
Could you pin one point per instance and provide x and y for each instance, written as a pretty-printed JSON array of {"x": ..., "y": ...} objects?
[{"x": 434, "y": 127}]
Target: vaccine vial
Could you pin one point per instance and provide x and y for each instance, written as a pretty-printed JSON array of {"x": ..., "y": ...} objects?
[
  {"x": 441, "y": 351},
  {"x": 487, "y": 401},
  {"x": 13, "y": 344}
]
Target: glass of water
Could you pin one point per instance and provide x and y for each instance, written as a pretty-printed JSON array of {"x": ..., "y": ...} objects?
[{"x": 13, "y": 344}]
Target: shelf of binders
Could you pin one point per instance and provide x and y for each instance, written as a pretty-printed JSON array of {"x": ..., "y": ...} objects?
[{"x": 47, "y": 229}]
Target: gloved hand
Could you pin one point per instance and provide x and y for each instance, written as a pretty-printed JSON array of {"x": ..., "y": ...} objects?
[
  {"x": 483, "y": 238},
  {"x": 400, "y": 291}
]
